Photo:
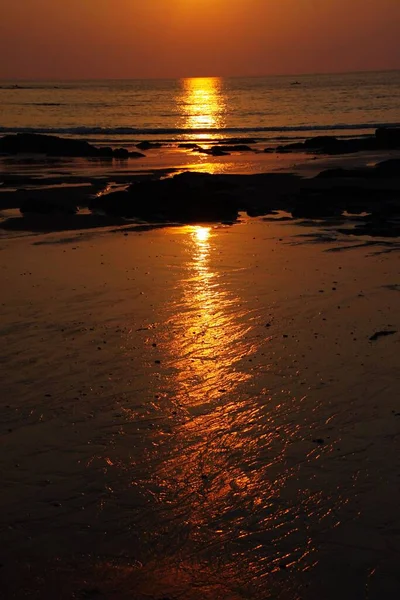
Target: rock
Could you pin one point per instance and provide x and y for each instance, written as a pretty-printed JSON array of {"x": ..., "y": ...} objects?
[
  {"x": 388, "y": 168},
  {"x": 390, "y": 230},
  {"x": 50, "y": 145},
  {"x": 106, "y": 152},
  {"x": 213, "y": 151},
  {"x": 315, "y": 204},
  {"x": 388, "y": 138},
  {"x": 332, "y": 145},
  {"x": 295, "y": 147},
  {"x": 45, "y": 207},
  {"x": 238, "y": 148},
  {"x": 224, "y": 150},
  {"x": 259, "y": 211},
  {"x": 189, "y": 146},
  {"x": 145, "y": 145},
  {"x": 32, "y": 143},
  {"x": 385, "y": 138},
  {"x": 121, "y": 153},
  {"x": 340, "y": 173},
  {"x": 321, "y": 141},
  {"x": 326, "y": 144},
  {"x": 380, "y": 334},
  {"x": 185, "y": 198},
  {"x": 217, "y": 151}
]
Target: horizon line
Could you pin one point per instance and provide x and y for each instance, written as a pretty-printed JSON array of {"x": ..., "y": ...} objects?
[{"x": 305, "y": 74}]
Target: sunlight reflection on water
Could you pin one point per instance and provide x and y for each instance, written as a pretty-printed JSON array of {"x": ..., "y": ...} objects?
[{"x": 202, "y": 103}]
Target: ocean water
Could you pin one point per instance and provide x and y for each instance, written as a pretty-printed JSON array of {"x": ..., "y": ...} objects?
[{"x": 201, "y": 109}]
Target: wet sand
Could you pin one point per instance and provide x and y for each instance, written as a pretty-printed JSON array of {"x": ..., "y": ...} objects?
[{"x": 200, "y": 413}]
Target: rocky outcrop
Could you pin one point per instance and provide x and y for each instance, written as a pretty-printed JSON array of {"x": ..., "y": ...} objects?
[
  {"x": 49, "y": 145},
  {"x": 238, "y": 148},
  {"x": 388, "y": 138},
  {"x": 42, "y": 206},
  {"x": 121, "y": 153},
  {"x": 189, "y": 145},
  {"x": 388, "y": 168},
  {"x": 186, "y": 198},
  {"x": 145, "y": 145},
  {"x": 200, "y": 197},
  {"x": 373, "y": 190},
  {"x": 341, "y": 173},
  {"x": 213, "y": 151},
  {"x": 316, "y": 204},
  {"x": 224, "y": 150},
  {"x": 384, "y": 139}
]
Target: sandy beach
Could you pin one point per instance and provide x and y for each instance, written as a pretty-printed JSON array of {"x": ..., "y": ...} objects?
[{"x": 200, "y": 412}]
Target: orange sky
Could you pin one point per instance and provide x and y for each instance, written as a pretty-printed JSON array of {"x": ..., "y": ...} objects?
[{"x": 77, "y": 39}]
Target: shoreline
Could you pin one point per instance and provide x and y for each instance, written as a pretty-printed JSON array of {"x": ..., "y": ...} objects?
[
  {"x": 44, "y": 170},
  {"x": 73, "y": 193}
]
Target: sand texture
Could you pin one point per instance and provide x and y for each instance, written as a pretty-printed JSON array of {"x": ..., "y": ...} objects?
[{"x": 200, "y": 412}]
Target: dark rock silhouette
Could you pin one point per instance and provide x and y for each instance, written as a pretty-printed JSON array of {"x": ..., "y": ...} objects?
[
  {"x": 50, "y": 222},
  {"x": 238, "y": 148},
  {"x": 387, "y": 137},
  {"x": 121, "y": 153},
  {"x": 145, "y": 145},
  {"x": 375, "y": 190},
  {"x": 315, "y": 204},
  {"x": 196, "y": 197},
  {"x": 213, "y": 151},
  {"x": 46, "y": 207},
  {"x": 200, "y": 197},
  {"x": 384, "y": 139},
  {"x": 224, "y": 149},
  {"x": 379, "y": 334},
  {"x": 322, "y": 141},
  {"x": 341, "y": 173},
  {"x": 33, "y": 143},
  {"x": 185, "y": 198},
  {"x": 189, "y": 145},
  {"x": 388, "y": 168}
]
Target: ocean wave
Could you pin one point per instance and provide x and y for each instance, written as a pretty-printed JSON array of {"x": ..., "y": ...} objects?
[{"x": 103, "y": 131}]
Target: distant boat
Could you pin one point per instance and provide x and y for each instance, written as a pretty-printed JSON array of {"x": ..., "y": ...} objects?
[{"x": 295, "y": 83}]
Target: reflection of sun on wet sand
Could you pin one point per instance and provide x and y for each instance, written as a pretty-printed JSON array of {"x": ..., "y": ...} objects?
[
  {"x": 199, "y": 413},
  {"x": 209, "y": 329},
  {"x": 232, "y": 456}
]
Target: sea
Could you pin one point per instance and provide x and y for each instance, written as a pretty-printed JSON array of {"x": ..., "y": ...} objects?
[{"x": 268, "y": 109}]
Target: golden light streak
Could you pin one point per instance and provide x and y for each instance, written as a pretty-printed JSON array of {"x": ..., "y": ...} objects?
[{"x": 202, "y": 102}]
